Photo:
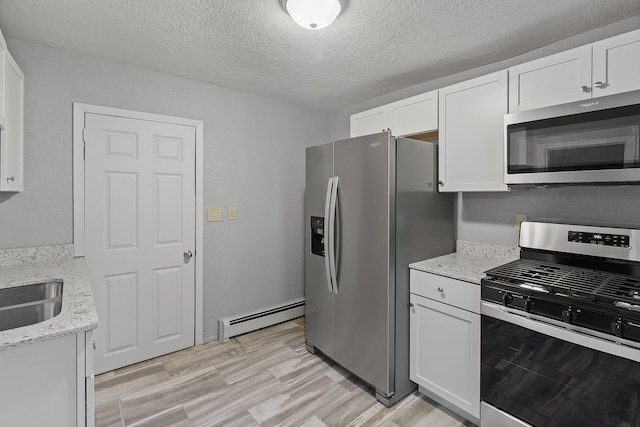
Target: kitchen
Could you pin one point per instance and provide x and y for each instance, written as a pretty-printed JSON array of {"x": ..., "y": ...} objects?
[{"x": 244, "y": 170}]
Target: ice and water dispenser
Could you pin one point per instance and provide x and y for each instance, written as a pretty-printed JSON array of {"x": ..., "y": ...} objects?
[{"x": 317, "y": 235}]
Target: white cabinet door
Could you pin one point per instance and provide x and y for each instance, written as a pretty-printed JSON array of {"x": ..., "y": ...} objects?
[
  {"x": 616, "y": 64},
  {"x": 414, "y": 115},
  {"x": 371, "y": 121},
  {"x": 445, "y": 352},
  {"x": 555, "y": 79},
  {"x": 3, "y": 100},
  {"x": 38, "y": 384},
  {"x": 410, "y": 116},
  {"x": 12, "y": 136},
  {"x": 472, "y": 134}
]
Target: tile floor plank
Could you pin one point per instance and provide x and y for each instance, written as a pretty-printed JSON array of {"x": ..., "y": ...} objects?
[
  {"x": 161, "y": 397},
  {"x": 108, "y": 414},
  {"x": 223, "y": 405}
]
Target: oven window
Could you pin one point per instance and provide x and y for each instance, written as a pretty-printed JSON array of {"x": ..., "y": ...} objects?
[
  {"x": 548, "y": 382},
  {"x": 608, "y": 139}
]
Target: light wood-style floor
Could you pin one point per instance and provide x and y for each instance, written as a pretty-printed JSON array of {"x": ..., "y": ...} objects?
[{"x": 264, "y": 378}]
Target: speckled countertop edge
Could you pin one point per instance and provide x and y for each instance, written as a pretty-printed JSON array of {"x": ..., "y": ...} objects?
[
  {"x": 35, "y": 254},
  {"x": 78, "y": 312},
  {"x": 470, "y": 261}
]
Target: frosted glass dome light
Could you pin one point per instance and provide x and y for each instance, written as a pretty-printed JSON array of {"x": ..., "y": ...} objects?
[{"x": 313, "y": 14}]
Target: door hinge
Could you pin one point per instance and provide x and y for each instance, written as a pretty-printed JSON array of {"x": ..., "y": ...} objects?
[{"x": 84, "y": 135}]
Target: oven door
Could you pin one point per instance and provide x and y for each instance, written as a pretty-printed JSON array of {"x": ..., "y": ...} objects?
[{"x": 536, "y": 373}]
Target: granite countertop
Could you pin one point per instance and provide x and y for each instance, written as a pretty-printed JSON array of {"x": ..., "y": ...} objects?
[
  {"x": 78, "y": 312},
  {"x": 470, "y": 261}
]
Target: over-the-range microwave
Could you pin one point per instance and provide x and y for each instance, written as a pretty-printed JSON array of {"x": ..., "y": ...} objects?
[{"x": 590, "y": 141}]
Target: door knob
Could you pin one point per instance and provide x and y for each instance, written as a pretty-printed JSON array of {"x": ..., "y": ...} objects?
[{"x": 187, "y": 255}]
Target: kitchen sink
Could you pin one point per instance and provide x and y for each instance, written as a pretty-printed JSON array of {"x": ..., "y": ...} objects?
[{"x": 29, "y": 304}]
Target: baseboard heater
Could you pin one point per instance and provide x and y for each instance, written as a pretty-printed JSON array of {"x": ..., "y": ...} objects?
[{"x": 254, "y": 320}]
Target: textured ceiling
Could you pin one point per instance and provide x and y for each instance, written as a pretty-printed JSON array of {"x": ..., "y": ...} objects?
[{"x": 374, "y": 47}]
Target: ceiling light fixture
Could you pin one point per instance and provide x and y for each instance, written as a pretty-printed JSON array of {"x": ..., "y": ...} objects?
[{"x": 313, "y": 14}]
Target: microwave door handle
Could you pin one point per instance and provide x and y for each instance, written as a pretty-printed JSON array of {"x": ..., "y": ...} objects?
[
  {"x": 328, "y": 237},
  {"x": 332, "y": 231}
]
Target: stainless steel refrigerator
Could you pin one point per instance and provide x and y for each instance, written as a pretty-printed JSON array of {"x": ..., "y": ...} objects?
[{"x": 371, "y": 208}]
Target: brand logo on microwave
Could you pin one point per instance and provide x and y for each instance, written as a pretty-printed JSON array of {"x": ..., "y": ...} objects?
[
  {"x": 589, "y": 104},
  {"x": 375, "y": 144}
]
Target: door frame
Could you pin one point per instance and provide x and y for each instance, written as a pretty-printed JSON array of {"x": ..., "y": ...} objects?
[{"x": 79, "y": 111}]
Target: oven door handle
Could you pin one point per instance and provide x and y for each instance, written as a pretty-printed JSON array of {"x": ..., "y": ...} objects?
[
  {"x": 626, "y": 305},
  {"x": 561, "y": 331}
]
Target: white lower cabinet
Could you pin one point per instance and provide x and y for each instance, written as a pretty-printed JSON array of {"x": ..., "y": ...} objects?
[
  {"x": 46, "y": 383},
  {"x": 445, "y": 342}
]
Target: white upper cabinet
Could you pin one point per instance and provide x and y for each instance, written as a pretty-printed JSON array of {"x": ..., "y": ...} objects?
[
  {"x": 551, "y": 80},
  {"x": 370, "y": 121},
  {"x": 12, "y": 135},
  {"x": 616, "y": 64},
  {"x": 417, "y": 114},
  {"x": 471, "y": 134},
  {"x": 603, "y": 68},
  {"x": 410, "y": 116},
  {"x": 3, "y": 61}
]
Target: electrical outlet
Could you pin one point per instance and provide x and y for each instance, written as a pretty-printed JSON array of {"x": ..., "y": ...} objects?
[
  {"x": 519, "y": 218},
  {"x": 214, "y": 214},
  {"x": 231, "y": 213}
]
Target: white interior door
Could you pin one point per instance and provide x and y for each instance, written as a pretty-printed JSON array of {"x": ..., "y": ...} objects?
[{"x": 139, "y": 224}]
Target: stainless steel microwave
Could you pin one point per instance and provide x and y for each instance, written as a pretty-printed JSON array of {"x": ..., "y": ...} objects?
[{"x": 588, "y": 141}]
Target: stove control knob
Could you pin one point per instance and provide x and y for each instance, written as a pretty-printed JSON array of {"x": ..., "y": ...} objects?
[
  {"x": 617, "y": 327},
  {"x": 506, "y": 299},
  {"x": 568, "y": 315},
  {"x": 527, "y": 304}
]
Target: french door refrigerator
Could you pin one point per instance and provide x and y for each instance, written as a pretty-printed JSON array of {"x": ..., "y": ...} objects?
[{"x": 371, "y": 208}]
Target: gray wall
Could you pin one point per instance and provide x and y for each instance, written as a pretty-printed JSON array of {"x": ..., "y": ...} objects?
[
  {"x": 489, "y": 217},
  {"x": 253, "y": 154}
]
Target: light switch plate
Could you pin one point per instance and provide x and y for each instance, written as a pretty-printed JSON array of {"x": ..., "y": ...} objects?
[
  {"x": 519, "y": 217},
  {"x": 214, "y": 214},
  {"x": 231, "y": 213}
]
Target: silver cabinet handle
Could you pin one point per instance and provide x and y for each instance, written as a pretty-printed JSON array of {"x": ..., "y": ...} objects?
[
  {"x": 440, "y": 290},
  {"x": 187, "y": 255},
  {"x": 585, "y": 89},
  {"x": 441, "y": 184},
  {"x": 11, "y": 178},
  {"x": 599, "y": 85}
]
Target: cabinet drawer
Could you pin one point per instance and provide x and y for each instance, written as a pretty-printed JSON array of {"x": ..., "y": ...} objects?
[{"x": 457, "y": 293}]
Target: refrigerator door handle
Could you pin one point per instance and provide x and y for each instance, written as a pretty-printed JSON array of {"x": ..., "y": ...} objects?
[
  {"x": 332, "y": 232},
  {"x": 328, "y": 235}
]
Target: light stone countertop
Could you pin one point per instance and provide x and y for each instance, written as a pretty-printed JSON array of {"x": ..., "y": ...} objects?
[
  {"x": 78, "y": 312},
  {"x": 469, "y": 262}
]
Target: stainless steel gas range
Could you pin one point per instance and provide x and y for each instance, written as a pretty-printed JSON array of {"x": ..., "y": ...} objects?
[{"x": 560, "y": 339}]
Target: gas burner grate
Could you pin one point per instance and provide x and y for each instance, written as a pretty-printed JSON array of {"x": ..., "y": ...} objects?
[{"x": 569, "y": 280}]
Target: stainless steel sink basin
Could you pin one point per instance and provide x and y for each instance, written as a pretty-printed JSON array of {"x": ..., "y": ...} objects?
[{"x": 29, "y": 304}]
